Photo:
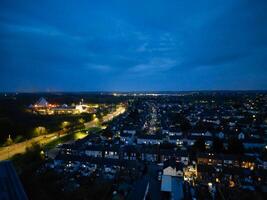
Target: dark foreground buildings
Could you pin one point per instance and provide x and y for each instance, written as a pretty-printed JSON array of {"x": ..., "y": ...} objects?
[{"x": 10, "y": 185}]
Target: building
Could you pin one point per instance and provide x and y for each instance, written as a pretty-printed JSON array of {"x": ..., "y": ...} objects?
[
  {"x": 10, "y": 185},
  {"x": 42, "y": 106}
]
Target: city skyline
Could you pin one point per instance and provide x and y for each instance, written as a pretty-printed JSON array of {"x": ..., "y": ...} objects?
[{"x": 126, "y": 46}]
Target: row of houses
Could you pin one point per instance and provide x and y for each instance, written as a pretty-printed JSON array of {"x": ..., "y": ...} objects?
[
  {"x": 181, "y": 140},
  {"x": 155, "y": 153},
  {"x": 128, "y": 152}
]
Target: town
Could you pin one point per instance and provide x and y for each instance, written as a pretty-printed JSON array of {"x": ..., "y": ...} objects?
[
  {"x": 133, "y": 100},
  {"x": 189, "y": 146}
]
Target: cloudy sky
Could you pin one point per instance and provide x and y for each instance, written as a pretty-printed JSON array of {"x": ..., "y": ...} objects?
[{"x": 133, "y": 45}]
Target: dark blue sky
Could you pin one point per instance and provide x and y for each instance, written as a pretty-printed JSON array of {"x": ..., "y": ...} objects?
[{"x": 133, "y": 45}]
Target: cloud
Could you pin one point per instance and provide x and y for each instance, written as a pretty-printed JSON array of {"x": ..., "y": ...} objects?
[
  {"x": 175, "y": 41},
  {"x": 217, "y": 60},
  {"x": 154, "y": 65},
  {"x": 100, "y": 68},
  {"x": 38, "y": 29},
  {"x": 159, "y": 42},
  {"x": 142, "y": 48}
]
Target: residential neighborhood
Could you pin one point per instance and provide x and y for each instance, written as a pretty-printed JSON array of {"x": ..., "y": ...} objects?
[{"x": 190, "y": 147}]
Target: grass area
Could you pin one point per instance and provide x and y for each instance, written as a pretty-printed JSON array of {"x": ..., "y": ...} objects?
[
  {"x": 79, "y": 135},
  {"x": 72, "y": 136},
  {"x": 60, "y": 140},
  {"x": 94, "y": 129}
]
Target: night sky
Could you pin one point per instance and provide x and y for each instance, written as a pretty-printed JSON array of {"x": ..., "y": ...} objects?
[{"x": 125, "y": 45}]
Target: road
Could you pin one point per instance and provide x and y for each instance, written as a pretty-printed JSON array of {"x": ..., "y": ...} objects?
[
  {"x": 116, "y": 113},
  {"x": 106, "y": 118},
  {"x": 8, "y": 152}
]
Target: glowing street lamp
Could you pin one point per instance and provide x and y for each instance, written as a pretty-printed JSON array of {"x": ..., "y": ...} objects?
[
  {"x": 96, "y": 119},
  {"x": 210, "y": 185},
  {"x": 65, "y": 124}
]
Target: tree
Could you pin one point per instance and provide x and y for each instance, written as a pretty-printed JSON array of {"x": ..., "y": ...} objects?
[
  {"x": 217, "y": 145},
  {"x": 107, "y": 133},
  {"x": 185, "y": 125},
  {"x": 40, "y": 130},
  {"x": 179, "y": 119},
  {"x": 199, "y": 145},
  {"x": 65, "y": 125},
  {"x": 134, "y": 115},
  {"x": 81, "y": 121},
  {"x": 18, "y": 138},
  {"x": 235, "y": 146}
]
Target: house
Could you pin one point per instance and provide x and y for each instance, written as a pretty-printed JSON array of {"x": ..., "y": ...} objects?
[
  {"x": 176, "y": 139},
  {"x": 225, "y": 160},
  {"x": 173, "y": 168},
  {"x": 94, "y": 150},
  {"x": 182, "y": 156},
  {"x": 190, "y": 141},
  {"x": 127, "y": 138},
  {"x": 241, "y": 136},
  {"x": 112, "y": 151},
  {"x": 73, "y": 149},
  {"x": 253, "y": 143},
  {"x": 149, "y": 153},
  {"x": 149, "y": 139},
  {"x": 175, "y": 131},
  {"x": 166, "y": 154},
  {"x": 220, "y": 135},
  {"x": 130, "y": 152},
  {"x": 132, "y": 132},
  {"x": 100, "y": 162},
  {"x": 172, "y": 187}
]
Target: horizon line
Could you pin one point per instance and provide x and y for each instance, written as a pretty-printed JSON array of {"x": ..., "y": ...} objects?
[{"x": 138, "y": 91}]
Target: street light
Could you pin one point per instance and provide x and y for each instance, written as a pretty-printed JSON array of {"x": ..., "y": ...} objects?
[
  {"x": 96, "y": 119},
  {"x": 210, "y": 185}
]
